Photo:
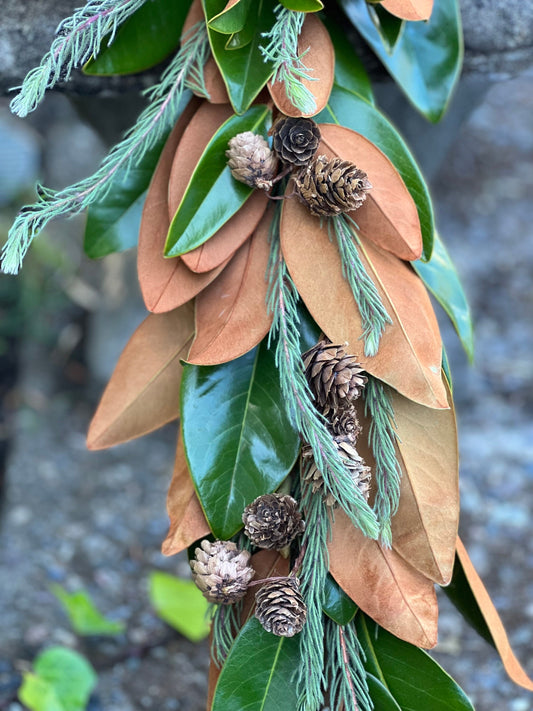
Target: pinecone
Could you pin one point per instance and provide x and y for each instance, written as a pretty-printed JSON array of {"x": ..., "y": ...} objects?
[
  {"x": 335, "y": 378},
  {"x": 295, "y": 140},
  {"x": 272, "y": 521},
  {"x": 221, "y": 571},
  {"x": 354, "y": 463},
  {"x": 280, "y": 607},
  {"x": 329, "y": 187},
  {"x": 251, "y": 161},
  {"x": 344, "y": 424}
]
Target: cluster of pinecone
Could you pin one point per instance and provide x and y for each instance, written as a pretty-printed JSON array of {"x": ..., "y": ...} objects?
[
  {"x": 336, "y": 380},
  {"x": 326, "y": 186},
  {"x": 223, "y": 574}
]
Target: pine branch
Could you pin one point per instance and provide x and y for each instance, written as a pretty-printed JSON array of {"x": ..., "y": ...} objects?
[
  {"x": 382, "y": 438},
  {"x": 78, "y": 38},
  {"x": 374, "y": 316},
  {"x": 283, "y": 303},
  {"x": 348, "y": 687},
  {"x": 282, "y": 51},
  {"x": 156, "y": 119},
  {"x": 224, "y": 628}
]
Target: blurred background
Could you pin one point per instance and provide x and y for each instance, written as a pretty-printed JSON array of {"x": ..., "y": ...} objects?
[{"x": 95, "y": 521}]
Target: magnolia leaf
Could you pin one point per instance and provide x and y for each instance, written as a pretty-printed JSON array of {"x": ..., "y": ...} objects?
[
  {"x": 232, "y": 18},
  {"x": 410, "y": 351},
  {"x": 441, "y": 278},
  {"x": 231, "y": 313},
  {"x": 382, "y": 584},
  {"x": 187, "y": 520},
  {"x": 336, "y": 604},
  {"x": 410, "y": 675},
  {"x": 212, "y": 195},
  {"x": 409, "y": 9},
  {"x": 143, "y": 40},
  {"x": 84, "y": 616},
  {"x": 143, "y": 392},
  {"x": 315, "y": 44},
  {"x": 351, "y": 110},
  {"x": 350, "y": 72},
  {"x": 303, "y": 5},
  {"x": 380, "y": 695},
  {"x": 389, "y": 27},
  {"x": 388, "y": 216},
  {"x": 229, "y": 237},
  {"x": 181, "y": 604},
  {"x": 238, "y": 439},
  {"x": 493, "y": 620}
]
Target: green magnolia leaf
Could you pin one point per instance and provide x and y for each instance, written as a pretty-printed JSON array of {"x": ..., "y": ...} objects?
[
  {"x": 213, "y": 195},
  {"x": 258, "y": 672},
  {"x": 414, "y": 680},
  {"x": 181, "y": 604},
  {"x": 243, "y": 70},
  {"x": 144, "y": 40},
  {"x": 309, "y": 331},
  {"x": 427, "y": 58},
  {"x": 231, "y": 19},
  {"x": 388, "y": 26},
  {"x": 351, "y": 110},
  {"x": 446, "y": 369},
  {"x": 240, "y": 39},
  {"x": 350, "y": 72},
  {"x": 62, "y": 681},
  {"x": 303, "y": 5},
  {"x": 441, "y": 278},
  {"x": 238, "y": 440},
  {"x": 84, "y": 617},
  {"x": 337, "y": 604},
  {"x": 380, "y": 695},
  {"x": 460, "y": 593}
]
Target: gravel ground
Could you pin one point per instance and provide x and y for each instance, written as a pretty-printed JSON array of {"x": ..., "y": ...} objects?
[{"x": 96, "y": 520}]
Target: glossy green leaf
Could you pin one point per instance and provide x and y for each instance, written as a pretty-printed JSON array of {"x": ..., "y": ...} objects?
[
  {"x": 381, "y": 697},
  {"x": 350, "y": 72},
  {"x": 441, "y": 278},
  {"x": 351, "y": 110},
  {"x": 213, "y": 195},
  {"x": 460, "y": 593},
  {"x": 446, "y": 369},
  {"x": 238, "y": 440},
  {"x": 412, "y": 677},
  {"x": 309, "y": 331},
  {"x": 389, "y": 27},
  {"x": 258, "y": 673},
  {"x": 427, "y": 58},
  {"x": 144, "y": 40},
  {"x": 231, "y": 19},
  {"x": 62, "y": 681},
  {"x": 240, "y": 39},
  {"x": 84, "y": 616},
  {"x": 303, "y": 5},
  {"x": 181, "y": 604},
  {"x": 337, "y": 605},
  {"x": 243, "y": 70}
]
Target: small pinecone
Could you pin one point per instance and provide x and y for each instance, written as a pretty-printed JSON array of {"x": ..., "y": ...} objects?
[
  {"x": 329, "y": 187},
  {"x": 335, "y": 378},
  {"x": 280, "y": 607},
  {"x": 354, "y": 463},
  {"x": 296, "y": 140},
  {"x": 344, "y": 425},
  {"x": 272, "y": 521},
  {"x": 251, "y": 161},
  {"x": 221, "y": 571}
]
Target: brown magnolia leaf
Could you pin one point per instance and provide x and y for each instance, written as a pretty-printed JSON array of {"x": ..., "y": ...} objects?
[
  {"x": 410, "y": 350},
  {"x": 409, "y": 9},
  {"x": 213, "y": 81},
  {"x": 224, "y": 243},
  {"x": 231, "y": 313},
  {"x": 320, "y": 66},
  {"x": 388, "y": 216},
  {"x": 143, "y": 392},
  {"x": 187, "y": 520},
  {"x": 510, "y": 662},
  {"x": 383, "y": 585}
]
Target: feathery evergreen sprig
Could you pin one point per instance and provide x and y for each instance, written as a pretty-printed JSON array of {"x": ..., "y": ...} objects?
[
  {"x": 225, "y": 625},
  {"x": 78, "y": 38},
  {"x": 311, "y": 679},
  {"x": 282, "y": 302},
  {"x": 282, "y": 51},
  {"x": 382, "y": 438},
  {"x": 155, "y": 120},
  {"x": 348, "y": 688},
  {"x": 374, "y": 316}
]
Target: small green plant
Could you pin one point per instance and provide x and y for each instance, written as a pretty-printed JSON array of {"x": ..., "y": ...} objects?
[{"x": 84, "y": 617}]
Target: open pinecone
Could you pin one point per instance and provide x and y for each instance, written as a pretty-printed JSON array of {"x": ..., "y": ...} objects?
[
  {"x": 251, "y": 161},
  {"x": 344, "y": 425},
  {"x": 329, "y": 187},
  {"x": 280, "y": 607},
  {"x": 295, "y": 140},
  {"x": 359, "y": 472},
  {"x": 221, "y": 571},
  {"x": 272, "y": 521},
  {"x": 335, "y": 378}
]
